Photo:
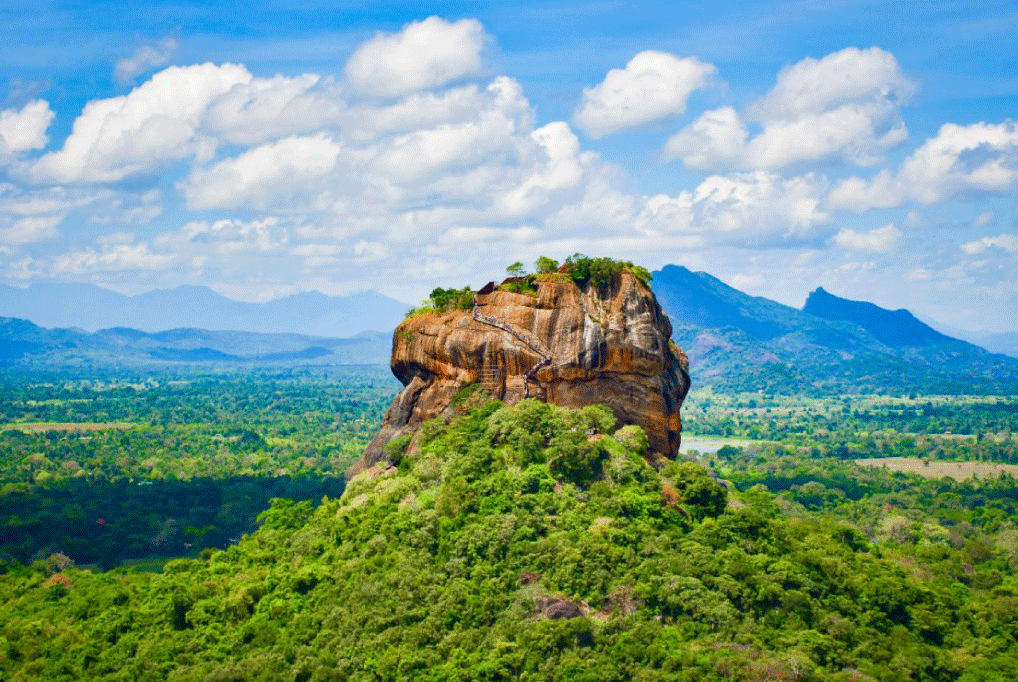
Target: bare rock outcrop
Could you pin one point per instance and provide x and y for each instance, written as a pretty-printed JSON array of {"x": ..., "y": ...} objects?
[{"x": 566, "y": 345}]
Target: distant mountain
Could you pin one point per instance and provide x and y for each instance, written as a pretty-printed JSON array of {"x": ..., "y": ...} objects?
[
  {"x": 91, "y": 308},
  {"x": 24, "y": 344},
  {"x": 896, "y": 328},
  {"x": 833, "y": 344}
]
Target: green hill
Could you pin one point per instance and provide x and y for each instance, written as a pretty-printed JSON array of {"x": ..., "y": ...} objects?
[{"x": 509, "y": 544}]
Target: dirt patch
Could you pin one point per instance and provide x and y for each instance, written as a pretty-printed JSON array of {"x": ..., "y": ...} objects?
[
  {"x": 39, "y": 427},
  {"x": 959, "y": 471}
]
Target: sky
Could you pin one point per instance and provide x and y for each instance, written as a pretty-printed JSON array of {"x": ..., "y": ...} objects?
[{"x": 867, "y": 147}]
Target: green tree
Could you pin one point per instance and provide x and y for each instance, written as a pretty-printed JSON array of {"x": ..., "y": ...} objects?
[{"x": 546, "y": 265}]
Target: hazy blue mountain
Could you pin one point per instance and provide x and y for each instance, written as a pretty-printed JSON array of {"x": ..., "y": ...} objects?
[
  {"x": 896, "y": 328},
  {"x": 25, "y": 344},
  {"x": 90, "y": 307},
  {"x": 736, "y": 340}
]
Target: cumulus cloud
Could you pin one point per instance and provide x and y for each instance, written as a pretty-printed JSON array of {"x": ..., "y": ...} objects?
[
  {"x": 423, "y": 55},
  {"x": 423, "y": 153},
  {"x": 147, "y": 57},
  {"x": 651, "y": 86},
  {"x": 263, "y": 108},
  {"x": 716, "y": 139},
  {"x": 757, "y": 208},
  {"x": 30, "y": 229},
  {"x": 25, "y": 129},
  {"x": 559, "y": 169},
  {"x": 422, "y": 182},
  {"x": 156, "y": 123},
  {"x": 1004, "y": 242},
  {"x": 407, "y": 184},
  {"x": 227, "y": 236},
  {"x": 257, "y": 176},
  {"x": 959, "y": 160},
  {"x": 844, "y": 107},
  {"x": 880, "y": 239}
]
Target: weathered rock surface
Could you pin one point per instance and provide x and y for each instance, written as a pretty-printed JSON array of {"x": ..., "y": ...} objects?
[{"x": 567, "y": 346}]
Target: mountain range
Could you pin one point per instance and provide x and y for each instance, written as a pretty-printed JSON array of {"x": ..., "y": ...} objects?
[
  {"x": 92, "y": 308},
  {"x": 832, "y": 343},
  {"x": 27, "y": 345},
  {"x": 734, "y": 340}
]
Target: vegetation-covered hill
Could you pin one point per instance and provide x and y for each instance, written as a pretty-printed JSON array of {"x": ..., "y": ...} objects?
[
  {"x": 735, "y": 341},
  {"x": 518, "y": 543}
]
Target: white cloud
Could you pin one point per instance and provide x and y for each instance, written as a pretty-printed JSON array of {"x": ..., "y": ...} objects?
[
  {"x": 30, "y": 229},
  {"x": 17, "y": 202},
  {"x": 228, "y": 237},
  {"x": 717, "y": 139},
  {"x": 417, "y": 110},
  {"x": 403, "y": 190},
  {"x": 157, "y": 122},
  {"x": 1004, "y": 242},
  {"x": 756, "y": 208},
  {"x": 256, "y": 177},
  {"x": 651, "y": 86},
  {"x": 425, "y": 153},
  {"x": 848, "y": 76},
  {"x": 112, "y": 258},
  {"x": 559, "y": 169},
  {"x": 423, "y": 55},
  {"x": 879, "y": 239},
  {"x": 984, "y": 219},
  {"x": 844, "y": 107},
  {"x": 147, "y": 57},
  {"x": 981, "y": 157},
  {"x": 264, "y": 108},
  {"x": 25, "y": 129}
]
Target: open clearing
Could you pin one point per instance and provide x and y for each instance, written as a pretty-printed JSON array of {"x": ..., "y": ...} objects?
[
  {"x": 711, "y": 444},
  {"x": 38, "y": 427},
  {"x": 957, "y": 470}
]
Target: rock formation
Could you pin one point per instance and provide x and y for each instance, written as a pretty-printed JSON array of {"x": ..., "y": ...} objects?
[{"x": 566, "y": 345}]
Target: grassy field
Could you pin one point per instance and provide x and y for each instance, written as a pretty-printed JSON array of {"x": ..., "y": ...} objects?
[
  {"x": 956, "y": 470},
  {"x": 39, "y": 427}
]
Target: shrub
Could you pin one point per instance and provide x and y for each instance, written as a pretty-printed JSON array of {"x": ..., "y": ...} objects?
[
  {"x": 444, "y": 301},
  {"x": 602, "y": 272}
]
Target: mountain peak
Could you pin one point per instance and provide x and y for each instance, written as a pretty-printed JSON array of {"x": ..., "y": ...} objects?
[{"x": 895, "y": 328}]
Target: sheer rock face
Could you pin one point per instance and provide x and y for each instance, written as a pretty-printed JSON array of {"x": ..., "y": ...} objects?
[{"x": 567, "y": 346}]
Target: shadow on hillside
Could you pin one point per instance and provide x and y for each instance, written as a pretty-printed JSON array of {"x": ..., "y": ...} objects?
[{"x": 106, "y": 523}]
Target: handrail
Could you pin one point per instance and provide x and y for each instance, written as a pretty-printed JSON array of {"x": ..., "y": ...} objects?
[{"x": 546, "y": 357}]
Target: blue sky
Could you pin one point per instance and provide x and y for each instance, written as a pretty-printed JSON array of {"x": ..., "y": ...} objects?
[{"x": 866, "y": 147}]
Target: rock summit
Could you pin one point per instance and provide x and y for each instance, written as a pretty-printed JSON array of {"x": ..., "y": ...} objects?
[{"x": 551, "y": 339}]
